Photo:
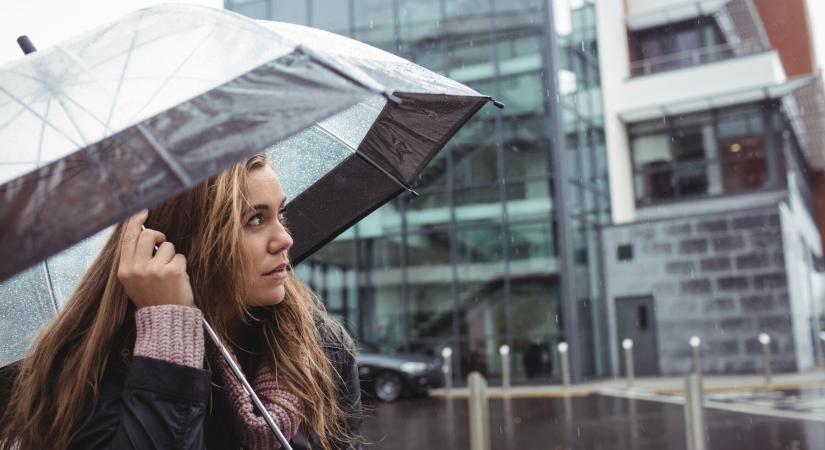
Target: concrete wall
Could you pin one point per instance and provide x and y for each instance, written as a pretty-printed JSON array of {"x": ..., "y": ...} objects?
[
  {"x": 614, "y": 65},
  {"x": 801, "y": 241},
  {"x": 718, "y": 276}
]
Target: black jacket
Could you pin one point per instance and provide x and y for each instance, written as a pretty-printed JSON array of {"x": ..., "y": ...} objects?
[{"x": 145, "y": 403}]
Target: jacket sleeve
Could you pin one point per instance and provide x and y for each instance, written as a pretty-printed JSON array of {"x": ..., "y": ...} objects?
[
  {"x": 351, "y": 389},
  {"x": 160, "y": 401}
]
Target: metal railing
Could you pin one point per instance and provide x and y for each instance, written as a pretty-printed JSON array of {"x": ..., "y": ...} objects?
[{"x": 695, "y": 57}]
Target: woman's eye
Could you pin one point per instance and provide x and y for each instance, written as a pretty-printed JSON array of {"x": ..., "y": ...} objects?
[
  {"x": 257, "y": 219},
  {"x": 282, "y": 217}
]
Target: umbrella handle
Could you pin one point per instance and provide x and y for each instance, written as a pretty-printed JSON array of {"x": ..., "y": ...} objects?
[{"x": 240, "y": 376}]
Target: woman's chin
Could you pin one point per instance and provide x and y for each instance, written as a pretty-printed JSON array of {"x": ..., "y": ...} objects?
[{"x": 270, "y": 298}]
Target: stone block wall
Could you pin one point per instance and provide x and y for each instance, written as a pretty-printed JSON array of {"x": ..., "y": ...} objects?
[{"x": 718, "y": 276}]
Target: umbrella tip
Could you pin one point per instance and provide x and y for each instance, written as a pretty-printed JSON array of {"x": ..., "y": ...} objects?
[
  {"x": 26, "y": 44},
  {"x": 496, "y": 103},
  {"x": 389, "y": 95}
]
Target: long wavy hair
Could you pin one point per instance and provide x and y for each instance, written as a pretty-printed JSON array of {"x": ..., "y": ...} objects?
[{"x": 57, "y": 386}]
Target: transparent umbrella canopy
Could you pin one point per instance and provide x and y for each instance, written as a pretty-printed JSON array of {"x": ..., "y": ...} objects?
[{"x": 131, "y": 113}]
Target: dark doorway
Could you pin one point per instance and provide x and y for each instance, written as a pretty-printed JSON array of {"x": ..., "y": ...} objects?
[{"x": 636, "y": 320}]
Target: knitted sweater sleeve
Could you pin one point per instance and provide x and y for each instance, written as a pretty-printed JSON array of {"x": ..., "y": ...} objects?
[{"x": 171, "y": 333}]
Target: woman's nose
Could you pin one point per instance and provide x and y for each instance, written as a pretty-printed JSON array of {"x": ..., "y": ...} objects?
[{"x": 280, "y": 240}]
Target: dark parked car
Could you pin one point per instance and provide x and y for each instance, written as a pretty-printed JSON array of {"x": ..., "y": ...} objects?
[{"x": 388, "y": 377}]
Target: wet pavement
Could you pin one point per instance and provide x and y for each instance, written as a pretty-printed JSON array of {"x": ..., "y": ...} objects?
[
  {"x": 807, "y": 401},
  {"x": 587, "y": 423}
]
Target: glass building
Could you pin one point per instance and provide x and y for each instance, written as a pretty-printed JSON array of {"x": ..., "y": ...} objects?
[{"x": 501, "y": 246}]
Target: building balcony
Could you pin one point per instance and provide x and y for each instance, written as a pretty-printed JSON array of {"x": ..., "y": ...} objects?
[
  {"x": 695, "y": 57},
  {"x": 650, "y": 13},
  {"x": 702, "y": 87},
  {"x": 674, "y": 34}
]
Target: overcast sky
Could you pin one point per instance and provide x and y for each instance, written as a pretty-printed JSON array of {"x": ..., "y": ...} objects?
[{"x": 48, "y": 22}]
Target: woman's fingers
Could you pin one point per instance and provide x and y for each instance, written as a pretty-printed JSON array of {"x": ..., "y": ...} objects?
[
  {"x": 146, "y": 243},
  {"x": 131, "y": 232},
  {"x": 179, "y": 262},
  {"x": 165, "y": 253},
  {"x": 150, "y": 270}
]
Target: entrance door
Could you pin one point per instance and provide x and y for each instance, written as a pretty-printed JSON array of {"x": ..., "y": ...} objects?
[{"x": 636, "y": 319}]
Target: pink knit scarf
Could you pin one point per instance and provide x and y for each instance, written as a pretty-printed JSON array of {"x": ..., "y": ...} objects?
[{"x": 174, "y": 333}]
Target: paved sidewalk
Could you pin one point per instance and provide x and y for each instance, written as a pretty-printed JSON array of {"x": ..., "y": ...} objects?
[{"x": 654, "y": 385}]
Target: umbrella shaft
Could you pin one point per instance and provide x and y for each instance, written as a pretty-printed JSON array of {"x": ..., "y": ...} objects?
[{"x": 240, "y": 376}]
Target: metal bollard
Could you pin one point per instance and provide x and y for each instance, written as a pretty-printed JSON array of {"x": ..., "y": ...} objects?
[
  {"x": 695, "y": 431},
  {"x": 564, "y": 358},
  {"x": 822, "y": 341},
  {"x": 504, "y": 351},
  {"x": 447, "y": 354},
  {"x": 765, "y": 340},
  {"x": 479, "y": 412},
  {"x": 509, "y": 423},
  {"x": 695, "y": 343},
  {"x": 629, "y": 366}
]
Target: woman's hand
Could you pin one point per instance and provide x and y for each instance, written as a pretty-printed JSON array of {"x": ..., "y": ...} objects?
[{"x": 152, "y": 280}]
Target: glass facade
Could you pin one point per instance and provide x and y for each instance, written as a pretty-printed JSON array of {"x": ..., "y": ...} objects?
[{"x": 501, "y": 246}]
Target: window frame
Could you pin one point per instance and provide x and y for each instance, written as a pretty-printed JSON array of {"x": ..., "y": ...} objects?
[{"x": 765, "y": 109}]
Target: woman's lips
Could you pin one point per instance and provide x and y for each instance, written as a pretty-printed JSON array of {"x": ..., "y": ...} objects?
[{"x": 278, "y": 272}]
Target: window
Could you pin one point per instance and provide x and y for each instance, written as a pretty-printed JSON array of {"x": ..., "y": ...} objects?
[
  {"x": 652, "y": 158},
  {"x": 624, "y": 252},
  {"x": 703, "y": 154},
  {"x": 742, "y": 148}
]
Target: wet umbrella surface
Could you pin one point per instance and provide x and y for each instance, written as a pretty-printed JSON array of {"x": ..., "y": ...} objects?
[{"x": 129, "y": 114}]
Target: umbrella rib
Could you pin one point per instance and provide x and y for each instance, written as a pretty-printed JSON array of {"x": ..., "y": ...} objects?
[
  {"x": 34, "y": 94},
  {"x": 369, "y": 160},
  {"x": 72, "y": 120},
  {"x": 164, "y": 154},
  {"x": 27, "y": 107},
  {"x": 146, "y": 42},
  {"x": 122, "y": 77},
  {"x": 43, "y": 133},
  {"x": 335, "y": 136},
  {"x": 24, "y": 75},
  {"x": 22, "y": 109},
  {"x": 174, "y": 73},
  {"x": 86, "y": 110},
  {"x": 50, "y": 284}
]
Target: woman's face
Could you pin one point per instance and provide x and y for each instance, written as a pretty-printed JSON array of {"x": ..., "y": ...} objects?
[{"x": 265, "y": 240}]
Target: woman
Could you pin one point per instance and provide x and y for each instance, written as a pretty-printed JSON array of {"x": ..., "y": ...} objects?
[{"x": 125, "y": 365}]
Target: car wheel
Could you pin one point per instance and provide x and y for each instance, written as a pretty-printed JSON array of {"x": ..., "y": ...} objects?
[{"x": 388, "y": 386}]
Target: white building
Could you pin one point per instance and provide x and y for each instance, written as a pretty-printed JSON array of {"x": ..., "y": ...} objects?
[{"x": 716, "y": 142}]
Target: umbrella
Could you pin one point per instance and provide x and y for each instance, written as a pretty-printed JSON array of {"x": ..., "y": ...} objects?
[
  {"x": 338, "y": 134},
  {"x": 134, "y": 112},
  {"x": 347, "y": 139}
]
